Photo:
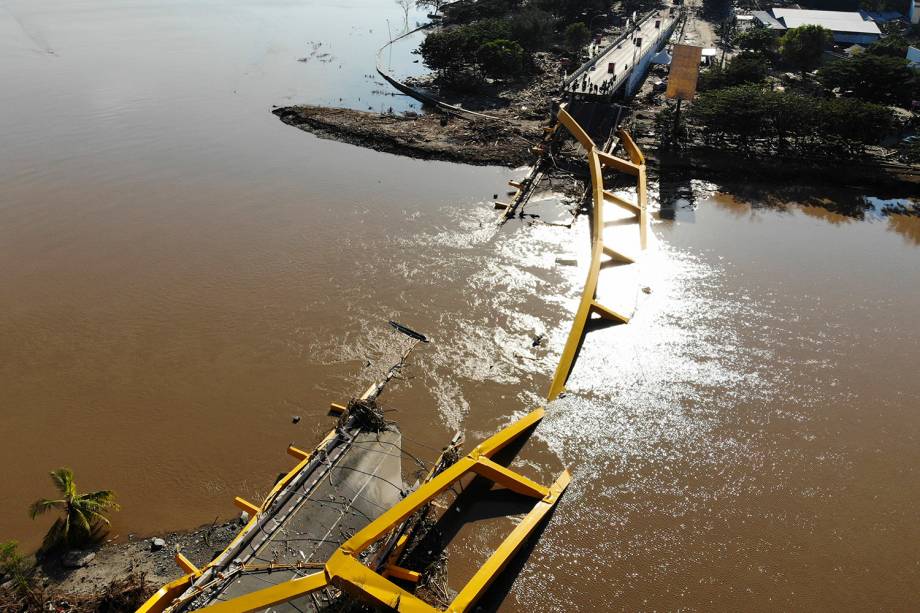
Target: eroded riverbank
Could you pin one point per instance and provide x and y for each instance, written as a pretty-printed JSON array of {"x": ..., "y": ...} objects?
[
  {"x": 117, "y": 576},
  {"x": 428, "y": 136}
]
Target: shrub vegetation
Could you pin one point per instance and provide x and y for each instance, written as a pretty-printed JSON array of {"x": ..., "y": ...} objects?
[{"x": 746, "y": 117}]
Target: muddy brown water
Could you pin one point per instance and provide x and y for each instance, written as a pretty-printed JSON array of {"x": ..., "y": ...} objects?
[{"x": 180, "y": 274}]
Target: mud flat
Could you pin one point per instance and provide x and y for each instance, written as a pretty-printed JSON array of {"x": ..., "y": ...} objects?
[
  {"x": 505, "y": 120},
  {"x": 480, "y": 142}
]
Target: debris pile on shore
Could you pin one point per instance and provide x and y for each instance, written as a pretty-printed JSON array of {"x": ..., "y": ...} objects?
[
  {"x": 421, "y": 136},
  {"x": 126, "y": 593},
  {"x": 117, "y": 577}
]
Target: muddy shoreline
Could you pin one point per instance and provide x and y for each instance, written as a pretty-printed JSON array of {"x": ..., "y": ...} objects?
[
  {"x": 117, "y": 566},
  {"x": 486, "y": 143},
  {"x": 429, "y": 136}
]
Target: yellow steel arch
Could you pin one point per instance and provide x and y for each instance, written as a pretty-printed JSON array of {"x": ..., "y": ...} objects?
[
  {"x": 597, "y": 161},
  {"x": 346, "y": 572}
]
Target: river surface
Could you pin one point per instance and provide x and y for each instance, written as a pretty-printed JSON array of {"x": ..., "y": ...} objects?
[{"x": 181, "y": 273}]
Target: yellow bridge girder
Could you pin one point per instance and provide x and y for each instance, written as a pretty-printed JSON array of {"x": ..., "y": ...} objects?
[{"x": 597, "y": 161}]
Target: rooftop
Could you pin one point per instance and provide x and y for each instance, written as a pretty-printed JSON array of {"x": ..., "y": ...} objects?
[
  {"x": 836, "y": 21},
  {"x": 768, "y": 20}
]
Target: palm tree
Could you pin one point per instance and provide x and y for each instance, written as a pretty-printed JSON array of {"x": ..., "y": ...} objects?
[{"x": 82, "y": 513}]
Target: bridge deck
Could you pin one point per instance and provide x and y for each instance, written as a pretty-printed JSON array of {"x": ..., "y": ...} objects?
[
  {"x": 624, "y": 55},
  {"x": 336, "y": 501}
]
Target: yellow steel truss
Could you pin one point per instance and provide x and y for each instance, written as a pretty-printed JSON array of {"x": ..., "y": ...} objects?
[
  {"x": 597, "y": 161},
  {"x": 346, "y": 572}
]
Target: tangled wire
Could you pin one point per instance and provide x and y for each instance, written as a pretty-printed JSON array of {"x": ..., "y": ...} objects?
[{"x": 367, "y": 415}]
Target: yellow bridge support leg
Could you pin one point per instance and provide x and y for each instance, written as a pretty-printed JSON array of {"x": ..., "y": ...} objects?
[
  {"x": 245, "y": 505},
  {"x": 300, "y": 454},
  {"x": 508, "y": 478},
  {"x": 398, "y": 572},
  {"x": 186, "y": 565},
  {"x": 616, "y": 255},
  {"x": 606, "y": 313}
]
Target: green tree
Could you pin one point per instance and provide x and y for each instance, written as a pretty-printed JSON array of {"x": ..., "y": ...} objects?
[
  {"x": 876, "y": 78},
  {"x": 456, "y": 47},
  {"x": 532, "y": 28},
  {"x": 716, "y": 10},
  {"x": 468, "y": 12},
  {"x": 734, "y": 113},
  {"x": 434, "y": 5},
  {"x": 444, "y": 50},
  {"x": 749, "y": 116},
  {"x": 893, "y": 46},
  {"x": 758, "y": 40},
  {"x": 13, "y": 566},
  {"x": 851, "y": 124},
  {"x": 500, "y": 58},
  {"x": 577, "y": 35},
  {"x": 746, "y": 67},
  {"x": 83, "y": 514},
  {"x": 900, "y": 6},
  {"x": 803, "y": 47},
  {"x": 572, "y": 10}
]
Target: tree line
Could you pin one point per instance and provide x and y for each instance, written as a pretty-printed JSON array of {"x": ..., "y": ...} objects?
[
  {"x": 838, "y": 113},
  {"x": 753, "y": 116},
  {"x": 498, "y": 38}
]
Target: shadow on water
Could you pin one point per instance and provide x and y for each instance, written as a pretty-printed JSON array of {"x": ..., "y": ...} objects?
[
  {"x": 480, "y": 500},
  {"x": 497, "y": 593},
  {"x": 678, "y": 193}
]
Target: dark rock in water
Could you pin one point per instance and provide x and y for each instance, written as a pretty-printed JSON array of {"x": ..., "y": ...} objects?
[
  {"x": 157, "y": 544},
  {"x": 77, "y": 559}
]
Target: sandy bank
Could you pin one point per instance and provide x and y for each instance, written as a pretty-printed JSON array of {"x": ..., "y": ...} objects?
[{"x": 428, "y": 136}]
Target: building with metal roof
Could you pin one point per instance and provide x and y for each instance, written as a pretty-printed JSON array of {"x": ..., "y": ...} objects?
[{"x": 847, "y": 27}]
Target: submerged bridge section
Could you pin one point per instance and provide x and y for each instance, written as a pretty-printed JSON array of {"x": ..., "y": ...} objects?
[{"x": 622, "y": 65}]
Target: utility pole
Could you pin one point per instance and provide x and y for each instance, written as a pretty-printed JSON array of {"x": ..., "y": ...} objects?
[{"x": 676, "y": 129}]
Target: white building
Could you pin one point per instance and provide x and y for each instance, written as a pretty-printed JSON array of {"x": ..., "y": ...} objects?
[
  {"x": 914, "y": 12},
  {"x": 848, "y": 27}
]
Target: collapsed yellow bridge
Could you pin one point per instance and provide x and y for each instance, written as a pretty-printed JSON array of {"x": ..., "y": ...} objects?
[{"x": 268, "y": 564}]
